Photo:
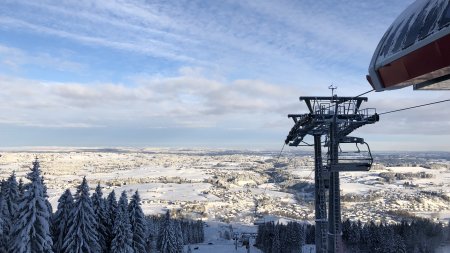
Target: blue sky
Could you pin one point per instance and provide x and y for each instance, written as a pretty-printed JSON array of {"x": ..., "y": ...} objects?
[{"x": 194, "y": 73}]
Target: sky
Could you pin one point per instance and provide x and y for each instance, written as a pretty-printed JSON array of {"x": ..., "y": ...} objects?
[{"x": 213, "y": 74}]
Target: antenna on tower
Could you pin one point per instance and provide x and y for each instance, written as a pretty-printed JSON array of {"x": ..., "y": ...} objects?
[{"x": 332, "y": 87}]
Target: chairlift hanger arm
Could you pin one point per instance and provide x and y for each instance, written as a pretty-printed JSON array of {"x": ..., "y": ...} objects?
[
  {"x": 301, "y": 122},
  {"x": 299, "y": 131}
]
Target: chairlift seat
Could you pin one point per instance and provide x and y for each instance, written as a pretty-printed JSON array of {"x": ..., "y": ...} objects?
[{"x": 363, "y": 166}]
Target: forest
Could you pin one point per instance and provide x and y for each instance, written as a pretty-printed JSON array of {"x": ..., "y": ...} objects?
[
  {"x": 413, "y": 236},
  {"x": 84, "y": 222}
]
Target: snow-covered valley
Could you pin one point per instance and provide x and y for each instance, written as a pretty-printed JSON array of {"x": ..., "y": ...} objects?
[{"x": 242, "y": 186}]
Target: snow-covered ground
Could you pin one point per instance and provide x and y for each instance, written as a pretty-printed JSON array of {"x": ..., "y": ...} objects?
[
  {"x": 443, "y": 249},
  {"x": 216, "y": 243},
  {"x": 227, "y": 186}
]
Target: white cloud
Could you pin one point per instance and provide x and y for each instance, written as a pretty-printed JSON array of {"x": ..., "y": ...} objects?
[
  {"x": 261, "y": 37},
  {"x": 193, "y": 100},
  {"x": 248, "y": 62},
  {"x": 182, "y": 100},
  {"x": 15, "y": 58}
]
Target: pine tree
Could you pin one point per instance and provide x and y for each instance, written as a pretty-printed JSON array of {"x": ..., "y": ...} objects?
[
  {"x": 101, "y": 215},
  {"x": 166, "y": 240},
  {"x": 354, "y": 236},
  {"x": 276, "y": 247},
  {"x": 346, "y": 227},
  {"x": 138, "y": 224},
  {"x": 200, "y": 231},
  {"x": 152, "y": 234},
  {"x": 111, "y": 210},
  {"x": 448, "y": 230},
  {"x": 399, "y": 244},
  {"x": 49, "y": 206},
  {"x": 123, "y": 238},
  {"x": 21, "y": 187},
  {"x": 178, "y": 237},
  {"x": 10, "y": 196},
  {"x": 300, "y": 235},
  {"x": 31, "y": 232},
  {"x": 3, "y": 237},
  {"x": 82, "y": 234},
  {"x": 61, "y": 220},
  {"x": 192, "y": 232}
]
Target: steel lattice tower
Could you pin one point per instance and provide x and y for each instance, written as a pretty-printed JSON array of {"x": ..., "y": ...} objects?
[{"x": 335, "y": 118}]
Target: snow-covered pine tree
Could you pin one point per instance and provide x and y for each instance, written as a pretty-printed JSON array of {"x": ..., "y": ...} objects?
[
  {"x": 192, "y": 233},
  {"x": 31, "y": 230},
  {"x": 61, "y": 220},
  {"x": 354, "y": 235},
  {"x": 111, "y": 210},
  {"x": 3, "y": 238},
  {"x": 299, "y": 238},
  {"x": 12, "y": 194},
  {"x": 152, "y": 234},
  {"x": 276, "y": 246},
  {"x": 101, "y": 215},
  {"x": 21, "y": 187},
  {"x": 448, "y": 230},
  {"x": 179, "y": 242},
  {"x": 364, "y": 237},
  {"x": 166, "y": 239},
  {"x": 49, "y": 206},
  {"x": 185, "y": 231},
  {"x": 138, "y": 224},
  {"x": 123, "y": 238},
  {"x": 270, "y": 235},
  {"x": 291, "y": 237},
  {"x": 260, "y": 236},
  {"x": 10, "y": 197},
  {"x": 200, "y": 231},
  {"x": 82, "y": 234},
  {"x": 302, "y": 234},
  {"x": 399, "y": 244},
  {"x": 346, "y": 227}
]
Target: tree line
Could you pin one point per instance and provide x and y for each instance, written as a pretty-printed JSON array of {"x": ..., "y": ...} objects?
[
  {"x": 414, "y": 236},
  {"x": 280, "y": 238},
  {"x": 84, "y": 223}
]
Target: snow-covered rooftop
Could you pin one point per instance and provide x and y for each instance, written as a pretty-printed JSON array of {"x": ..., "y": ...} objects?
[{"x": 420, "y": 20}]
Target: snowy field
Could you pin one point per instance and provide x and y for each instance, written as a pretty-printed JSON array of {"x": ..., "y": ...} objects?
[
  {"x": 226, "y": 186},
  {"x": 215, "y": 243}
]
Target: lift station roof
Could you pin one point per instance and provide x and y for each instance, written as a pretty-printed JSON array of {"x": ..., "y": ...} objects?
[{"x": 415, "y": 50}]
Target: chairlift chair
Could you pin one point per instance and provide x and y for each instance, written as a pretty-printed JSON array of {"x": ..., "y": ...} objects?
[{"x": 356, "y": 160}]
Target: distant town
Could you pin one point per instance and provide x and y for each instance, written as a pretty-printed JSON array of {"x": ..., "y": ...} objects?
[{"x": 245, "y": 186}]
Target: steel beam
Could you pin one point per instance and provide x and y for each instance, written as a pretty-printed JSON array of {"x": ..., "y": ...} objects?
[{"x": 320, "y": 199}]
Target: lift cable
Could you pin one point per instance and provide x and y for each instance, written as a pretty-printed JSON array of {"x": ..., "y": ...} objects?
[
  {"x": 278, "y": 158},
  {"x": 289, "y": 162},
  {"x": 281, "y": 151},
  {"x": 417, "y": 106},
  {"x": 364, "y": 93},
  {"x": 265, "y": 188}
]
